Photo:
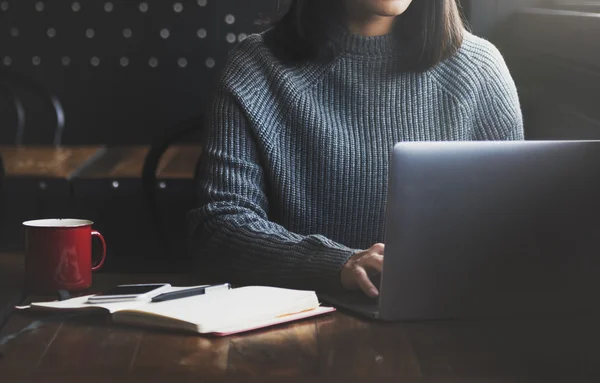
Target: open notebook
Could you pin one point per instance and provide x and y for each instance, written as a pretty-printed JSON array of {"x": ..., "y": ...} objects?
[{"x": 218, "y": 313}]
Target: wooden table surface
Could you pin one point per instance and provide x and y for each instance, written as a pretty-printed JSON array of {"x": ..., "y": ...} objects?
[
  {"x": 178, "y": 161},
  {"x": 35, "y": 161},
  {"x": 337, "y": 347},
  {"x": 11, "y": 283}
]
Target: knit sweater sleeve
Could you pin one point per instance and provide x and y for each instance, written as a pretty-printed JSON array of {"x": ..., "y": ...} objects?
[
  {"x": 498, "y": 113},
  {"x": 230, "y": 228}
]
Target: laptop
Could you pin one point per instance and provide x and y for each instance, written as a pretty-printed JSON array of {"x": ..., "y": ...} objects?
[{"x": 488, "y": 230}]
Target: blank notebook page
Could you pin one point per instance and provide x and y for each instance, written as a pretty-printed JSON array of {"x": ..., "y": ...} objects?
[{"x": 220, "y": 310}]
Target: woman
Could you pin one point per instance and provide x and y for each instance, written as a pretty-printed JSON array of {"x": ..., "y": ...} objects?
[{"x": 292, "y": 184}]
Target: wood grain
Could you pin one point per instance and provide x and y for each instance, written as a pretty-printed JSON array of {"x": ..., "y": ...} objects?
[
  {"x": 350, "y": 347},
  {"x": 90, "y": 345},
  {"x": 179, "y": 162},
  {"x": 32, "y": 161},
  {"x": 128, "y": 162},
  {"x": 117, "y": 162},
  {"x": 180, "y": 354},
  {"x": 11, "y": 283},
  {"x": 21, "y": 354},
  {"x": 281, "y": 353},
  {"x": 337, "y": 347}
]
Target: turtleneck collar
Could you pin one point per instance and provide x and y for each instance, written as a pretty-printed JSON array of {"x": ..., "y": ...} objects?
[{"x": 384, "y": 45}]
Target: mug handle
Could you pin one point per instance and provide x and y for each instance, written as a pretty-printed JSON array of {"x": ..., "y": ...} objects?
[{"x": 103, "y": 242}]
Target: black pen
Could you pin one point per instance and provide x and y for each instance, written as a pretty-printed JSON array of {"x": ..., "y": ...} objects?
[{"x": 189, "y": 292}]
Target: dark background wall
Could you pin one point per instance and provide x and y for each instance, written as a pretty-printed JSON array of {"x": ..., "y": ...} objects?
[
  {"x": 113, "y": 72},
  {"x": 122, "y": 71},
  {"x": 553, "y": 51},
  {"x": 485, "y": 15}
]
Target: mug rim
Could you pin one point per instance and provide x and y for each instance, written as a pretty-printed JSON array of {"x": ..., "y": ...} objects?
[{"x": 57, "y": 223}]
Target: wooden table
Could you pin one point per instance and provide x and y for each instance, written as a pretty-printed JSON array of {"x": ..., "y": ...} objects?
[
  {"x": 11, "y": 283},
  {"x": 37, "y": 185},
  {"x": 42, "y": 162},
  {"x": 126, "y": 162},
  {"x": 333, "y": 348},
  {"x": 179, "y": 163}
]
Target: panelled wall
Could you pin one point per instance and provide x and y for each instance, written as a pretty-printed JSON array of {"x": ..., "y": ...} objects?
[
  {"x": 115, "y": 71},
  {"x": 487, "y": 14},
  {"x": 553, "y": 51}
]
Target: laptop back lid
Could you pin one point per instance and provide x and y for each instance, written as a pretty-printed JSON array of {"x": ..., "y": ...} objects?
[{"x": 491, "y": 229}]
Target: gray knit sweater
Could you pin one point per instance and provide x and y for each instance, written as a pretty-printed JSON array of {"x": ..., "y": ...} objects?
[{"x": 294, "y": 176}]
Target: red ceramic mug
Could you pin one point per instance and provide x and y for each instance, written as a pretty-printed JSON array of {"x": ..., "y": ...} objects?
[{"x": 58, "y": 255}]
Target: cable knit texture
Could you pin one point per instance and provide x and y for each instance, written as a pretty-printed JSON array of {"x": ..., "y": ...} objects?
[{"x": 293, "y": 180}]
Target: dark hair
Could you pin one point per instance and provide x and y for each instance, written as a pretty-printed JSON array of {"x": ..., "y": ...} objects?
[{"x": 429, "y": 31}]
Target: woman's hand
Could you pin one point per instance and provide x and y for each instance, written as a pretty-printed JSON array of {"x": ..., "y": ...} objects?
[{"x": 355, "y": 273}]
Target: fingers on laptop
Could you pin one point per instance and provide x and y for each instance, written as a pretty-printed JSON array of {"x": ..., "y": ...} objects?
[
  {"x": 370, "y": 263},
  {"x": 361, "y": 266},
  {"x": 364, "y": 282},
  {"x": 377, "y": 248},
  {"x": 355, "y": 273},
  {"x": 373, "y": 262}
]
